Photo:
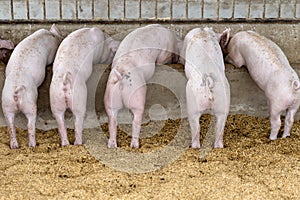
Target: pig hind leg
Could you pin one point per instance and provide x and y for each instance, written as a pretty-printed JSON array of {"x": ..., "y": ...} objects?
[
  {"x": 60, "y": 119},
  {"x": 78, "y": 109},
  {"x": 30, "y": 113},
  {"x": 195, "y": 129},
  {"x": 137, "y": 104},
  {"x": 113, "y": 103},
  {"x": 275, "y": 120},
  {"x": 10, "y": 117},
  {"x": 219, "y": 130},
  {"x": 136, "y": 126},
  {"x": 289, "y": 120},
  {"x": 112, "y": 126}
]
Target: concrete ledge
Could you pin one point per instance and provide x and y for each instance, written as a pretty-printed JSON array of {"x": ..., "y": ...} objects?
[{"x": 165, "y": 97}]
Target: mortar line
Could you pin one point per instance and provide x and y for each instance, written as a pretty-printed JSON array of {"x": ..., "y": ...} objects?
[
  {"x": 218, "y": 9},
  {"x": 93, "y": 9},
  {"x": 279, "y": 9},
  {"x": 44, "y": 9},
  {"x": 202, "y": 9},
  {"x": 171, "y": 9},
  {"x": 249, "y": 9},
  {"x": 124, "y": 9},
  {"x": 12, "y": 10},
  {"x": 108, "y": 9},
  {"x": 186, "y": 9},
  {"x": 233, "y": 8},
  {"x": 60, "y": 9}
]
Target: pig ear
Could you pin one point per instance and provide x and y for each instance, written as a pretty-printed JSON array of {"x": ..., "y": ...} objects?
[
  {"x": 118, "y": 74},
  {"x": 55, "y": 31},
  {"x": 224, "y": 38},
  {"x": 114, "y": 45}
]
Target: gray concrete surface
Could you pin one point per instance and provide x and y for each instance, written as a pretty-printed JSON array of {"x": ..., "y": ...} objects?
[
  {"x": 286, "y": 35},
  {"x": 165, "y": 97}
]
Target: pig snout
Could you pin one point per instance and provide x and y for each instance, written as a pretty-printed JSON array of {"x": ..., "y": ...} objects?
[{"x": 5, "y": 55}]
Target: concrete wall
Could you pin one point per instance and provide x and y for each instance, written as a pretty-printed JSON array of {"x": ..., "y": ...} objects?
[{"x": 165, "y": 97}]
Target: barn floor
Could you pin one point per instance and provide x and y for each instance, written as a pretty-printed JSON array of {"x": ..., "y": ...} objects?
[{"x": 249, "y": 167}]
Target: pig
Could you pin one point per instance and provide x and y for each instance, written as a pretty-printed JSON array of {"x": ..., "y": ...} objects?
[
  {"x": 270, "y": 69},
  {"x": 25, "y": 72},
  {"x": 207, "y": 88},
  {"x": 133, "y": 65},
  {"x": 6, "y": 47},
  {"x": 72, "y": 67}
]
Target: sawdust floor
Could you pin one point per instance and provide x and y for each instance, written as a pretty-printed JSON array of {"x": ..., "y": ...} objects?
[{"x": 249, "y": 167}]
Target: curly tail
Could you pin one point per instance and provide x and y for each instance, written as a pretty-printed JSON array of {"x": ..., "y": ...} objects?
[
  {"x": 209, "y": 84},
  {"x": 18, "y": 93}
]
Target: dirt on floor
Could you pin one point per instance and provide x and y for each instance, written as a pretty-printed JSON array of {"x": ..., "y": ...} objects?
[{"x": 249, "y": 167}]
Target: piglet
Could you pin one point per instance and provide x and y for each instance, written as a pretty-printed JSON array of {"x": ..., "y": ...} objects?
[
  {"x": 6, "y": 47},
  {"x": 207, "y": 89},
  {"x": 133, "y": 65},
  {"x": 25, "y": 72},
  {"x": 271, "y": 71},
  {"x": 72, "y": 67}
]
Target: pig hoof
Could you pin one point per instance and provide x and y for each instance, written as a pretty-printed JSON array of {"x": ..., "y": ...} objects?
[
  {"x": 32, "y": 144},
  {"x": 77, "y": 142},
  {"x": 196, "y": 145},
  {"x": 285, "y": 135},
  {"x": 14, "y": 146},
  {"x": 273, "y": 137},
  {"x": 218, "y": 146},
  {"x": 134, "y": 144},
  {"x": 65, "y": 143},
  {"x": 111, "y": 144}
]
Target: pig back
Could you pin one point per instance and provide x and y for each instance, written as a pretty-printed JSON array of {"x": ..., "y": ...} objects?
[
  {"x": 32, "y": 55},
  {"x": 203, "y": 54},
  {"x": 151, "y": 39},
  {"x": 263, "y": 58}
]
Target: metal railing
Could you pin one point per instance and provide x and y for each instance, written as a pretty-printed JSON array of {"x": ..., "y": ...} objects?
[{"x": 148, "y": 10}]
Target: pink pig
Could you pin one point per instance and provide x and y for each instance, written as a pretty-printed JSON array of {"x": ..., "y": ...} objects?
[
  {"x": 207, "y": 89},
  {"x": 270, "y": 69},
  {"x": 133, "y": 65},
  {"x": 25, "y": 72},
  {"x": 72, "y": 67}
]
